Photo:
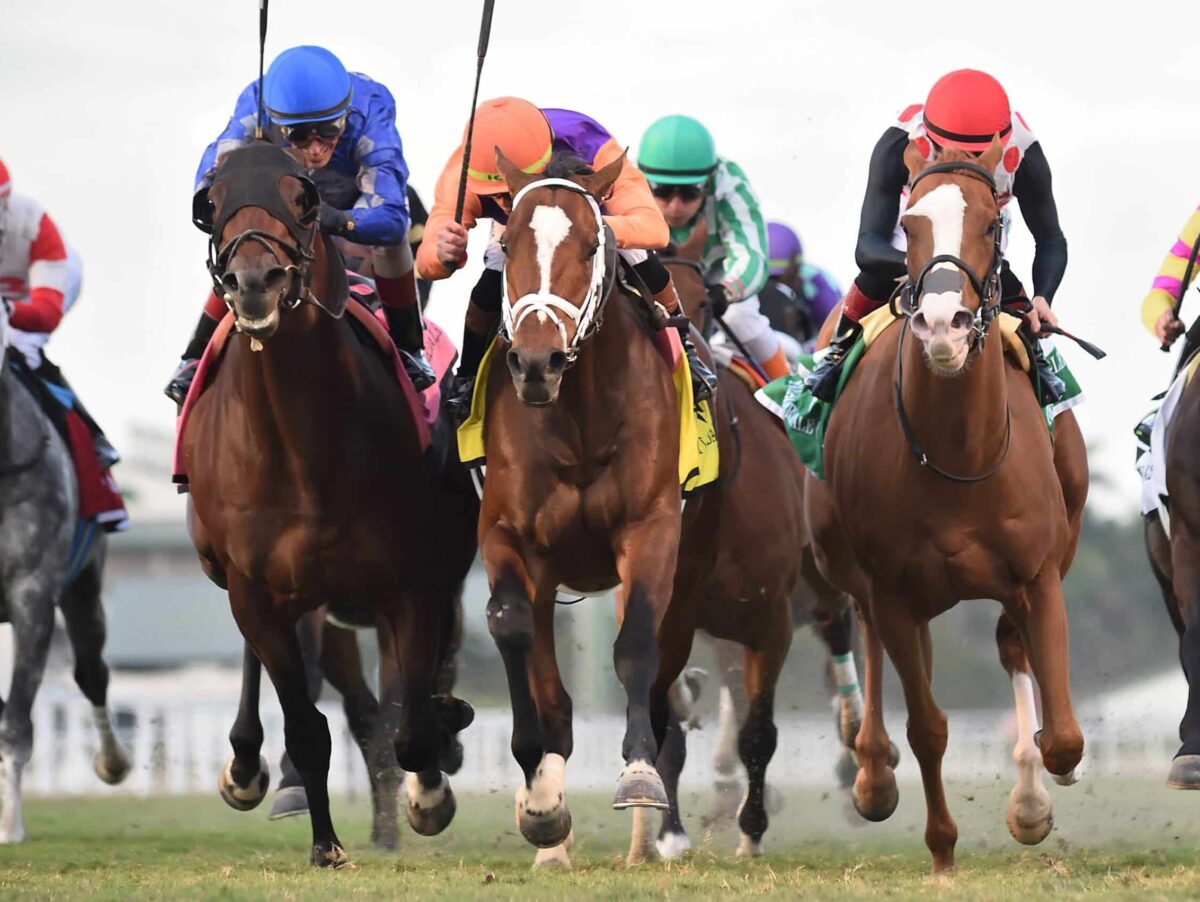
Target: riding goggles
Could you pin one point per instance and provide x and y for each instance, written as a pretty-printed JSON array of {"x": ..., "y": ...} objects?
[
  {"x": 299, "y": 135},
  {"x": 686, "y": 192}
]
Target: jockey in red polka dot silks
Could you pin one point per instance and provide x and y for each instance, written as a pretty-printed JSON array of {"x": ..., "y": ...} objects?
[{"x": 965, "y": 109}]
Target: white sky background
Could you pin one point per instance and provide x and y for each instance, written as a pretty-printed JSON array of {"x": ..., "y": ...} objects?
[{"x": 106, "y": 108}]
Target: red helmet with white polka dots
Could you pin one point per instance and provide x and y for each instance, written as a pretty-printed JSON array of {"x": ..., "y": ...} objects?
[{"x": 966, "y": 109}]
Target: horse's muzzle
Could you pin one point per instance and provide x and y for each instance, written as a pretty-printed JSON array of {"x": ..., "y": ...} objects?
[
  {"x": 257, "y": 296},
  {"x": 536, "y": 374}
]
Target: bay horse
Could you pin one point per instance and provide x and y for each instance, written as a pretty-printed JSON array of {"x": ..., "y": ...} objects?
[
  {"x": 309, "y": 487},
  {"x": 582, "y": 490},
  {"x": 760, "y": 474},
  {"x": 39, "y": 503},
  {"x": 1175, "y": 561},
  {"x": 944, "y": 484}
]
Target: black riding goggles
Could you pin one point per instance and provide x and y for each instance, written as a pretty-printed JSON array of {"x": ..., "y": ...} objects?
[
  {"x": 299, "y": 135},
  {"x": 686, "y": 192}
]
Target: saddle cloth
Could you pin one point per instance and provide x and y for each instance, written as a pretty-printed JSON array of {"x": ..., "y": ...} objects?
[{"x": 1152, "y": 458}]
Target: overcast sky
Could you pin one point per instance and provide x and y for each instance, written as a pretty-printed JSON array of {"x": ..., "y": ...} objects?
[{"x": 106, "y": 108}]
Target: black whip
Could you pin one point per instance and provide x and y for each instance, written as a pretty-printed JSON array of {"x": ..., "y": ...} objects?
[
  {"x": 1183, "y": 286},
  {"x": 485, "y": 31},
  {"x": 262, "y": 49}
]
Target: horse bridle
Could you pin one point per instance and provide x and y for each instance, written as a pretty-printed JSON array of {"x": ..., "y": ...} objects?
[
  {"x": 297, "y": 269},
  {"x": 906, "y": 301},
  {"x": 588, "y": 314}
]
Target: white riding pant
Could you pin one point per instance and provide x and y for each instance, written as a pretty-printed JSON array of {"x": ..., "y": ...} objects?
[{"x": 752, "y": 329}]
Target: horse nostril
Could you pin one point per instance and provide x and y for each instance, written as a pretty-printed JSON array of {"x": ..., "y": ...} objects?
[
  {"x": 275, "y": 277},
  {"x": 513, "y": 359},
  {"x": 918, "y": 322},
  {"x": 230, "y": 282},
  {"x": 962, "y": 320},
  {"x": 556, "y": 362}
]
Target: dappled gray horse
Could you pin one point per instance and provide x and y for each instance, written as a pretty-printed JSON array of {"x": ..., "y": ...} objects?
[{"x": 38, "y": 516}]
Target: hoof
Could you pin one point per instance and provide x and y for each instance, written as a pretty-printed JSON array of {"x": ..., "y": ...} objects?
[
  {"x": 290, "y": 801},
  {"x": 726, "y": 801},
  {"x": 243, "y": 799},
  {"x": 749, "y": 847},
  {"x": 334, "y": 857},
  {"x": 884, "y": 803},
  {"x": 113, "y": 771},
  {"x": 13, "y": 836},
  {"x": 673, "y": 845},
  {"x": 555, "y": 856},
  {"x": 429, "y": 811},
  {"x": 640, "y": 786},
  {"x": 545, "y": 829},
  {"x": 1030, "y": 816},
  {"x": 1185, "y": 772},
  {"x": 893, "y": 756},
  {"x": 1070, "y": 778},
  {"x": 845, "y": 770}
]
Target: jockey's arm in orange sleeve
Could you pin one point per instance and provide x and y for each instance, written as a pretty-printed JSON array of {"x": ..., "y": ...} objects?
[
  {"x": 632, "y": 212},
  {"x": 445, "y": 196}
]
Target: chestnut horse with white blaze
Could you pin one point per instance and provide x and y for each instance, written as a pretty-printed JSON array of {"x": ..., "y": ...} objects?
[
  {"x": 309, "y": 487},
  {"x": 944, "y": 484}
]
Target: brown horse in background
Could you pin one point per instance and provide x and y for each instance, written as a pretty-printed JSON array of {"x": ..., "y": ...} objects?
[
  {"x": 583, "y": 491},
  {"x": 758, "y": 529},
  {"x": 944, "y": 484},
  {"x": 1175, "y": 560},
  {"x": 309, "y": 487}
]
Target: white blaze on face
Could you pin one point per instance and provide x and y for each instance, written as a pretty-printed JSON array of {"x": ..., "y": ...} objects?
[
  {"x": 945, "y": 208},
  {"x": 550, "y": 228}
]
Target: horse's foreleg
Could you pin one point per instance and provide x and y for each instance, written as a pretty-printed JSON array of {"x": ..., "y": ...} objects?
[
  {"x": 83, "y": 613},
  {"x": 1041, "y": 618},
  {"x": 31, "y": 612},
  {"x": 908, "y": 645},
  {"x": 244, "y": 781},
  {"x": 1030, "y": 815},
  {"x": 1185, "y": 561},
  {"x": 875, "y": 793},
  {"x": 646, "y": 556},
  {"x": 542, "y": 805},
  {"x": 306, "y": 732},
  {"x": 381, "y": 757},
  {"x": 757, "y": 738},
  {"x": 290, "y": 800}
]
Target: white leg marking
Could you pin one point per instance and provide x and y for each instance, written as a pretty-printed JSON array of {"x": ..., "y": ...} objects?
[
  {"x": 421, "y": 798},
  {"x": 641, "y": 844},
  {"x": 12, "y": 822},
  {"x": 1030, "y": 815},
  {"x": 725, "y": 758},
  {"x": 555, "y": 856},
  {"x": 548, "y": 790},
  {"x": 673, "y": 845}
]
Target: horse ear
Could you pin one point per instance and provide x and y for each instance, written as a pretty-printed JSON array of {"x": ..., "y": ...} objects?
[
  {"x": 599, "y": 184},
  {"x": 202, "y": 211},
  {"x": 693, "y": 248},
  {"x": 914, "y": 160},
  {"x": 990, "y": 158},
  {"x": 514, "y": 178}
]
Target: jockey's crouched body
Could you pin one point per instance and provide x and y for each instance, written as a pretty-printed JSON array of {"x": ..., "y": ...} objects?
[
  {"x": 341, "y": 127},
  {"x": 40, "y": 278},
  {"x": 697, "y": 189},
  {"x": 966, "y": 109},
  {"x": 529, "y": 136}
]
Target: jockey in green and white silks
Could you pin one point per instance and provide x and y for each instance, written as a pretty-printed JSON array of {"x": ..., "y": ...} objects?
[{"x": 693, "y": 185}]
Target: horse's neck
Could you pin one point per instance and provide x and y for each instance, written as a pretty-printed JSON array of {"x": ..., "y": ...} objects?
[
  {"x": 603, "y": 380},
  {"x": 961, "y": 421},
  {"x": 20, "y": 430}
]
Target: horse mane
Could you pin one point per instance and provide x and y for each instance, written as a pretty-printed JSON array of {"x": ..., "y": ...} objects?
[
  {"x": 564, "y": 165},
  {"x": 955, "y": 155}
]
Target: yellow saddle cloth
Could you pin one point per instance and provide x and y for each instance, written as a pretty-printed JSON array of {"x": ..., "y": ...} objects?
[
  {"x": 877, "y": 322},
  {"x": 699, "y": 456}
]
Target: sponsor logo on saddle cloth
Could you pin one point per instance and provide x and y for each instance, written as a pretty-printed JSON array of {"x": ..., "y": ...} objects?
[
  {"x": 806, "y": 417},
  {"x": 1152, "y": 455},
  {"x": 699, "y": 455}
]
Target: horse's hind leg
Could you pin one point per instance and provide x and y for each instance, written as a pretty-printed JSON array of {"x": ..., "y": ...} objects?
[
  {"x": 909, "y": 646},
  {"x": 31, "y": 612},
  {"x": 341, "y": 664},
  {"x": 732, "y": 706},
  {"x": 306, "y": 732},
  {"x": 1030, "y": 815},
  {"x": 1185, "y": 559},
  {"x": 244, "y": 781},
  {"x": 757, "y": 738},
  {"x": 875, "y": 794},
  {"x": 84, "y": 615}
]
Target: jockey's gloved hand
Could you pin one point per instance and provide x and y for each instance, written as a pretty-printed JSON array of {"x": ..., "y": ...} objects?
[
  {"x": 333, "y": 220},
  {"x": 718, "y": 300}
]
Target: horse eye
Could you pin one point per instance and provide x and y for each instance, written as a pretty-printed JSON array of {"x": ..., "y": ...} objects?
[
  {"x": 991, "y": 229},
  {"x": 592, "y": 250}
]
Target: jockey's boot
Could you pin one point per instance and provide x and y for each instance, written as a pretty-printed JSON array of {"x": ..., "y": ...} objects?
[
  {"x": 1053, "y": 388},
  {"x": 106, "y": 454},
  {"x": 402, "y": 310},
  {"x": 408, "y": 332},
  {"x": 704, "y": 380},
  {"x": 479, "y": 327},
  {"x": 177, "y": 388},
  {"x": 823, "y": 381}
]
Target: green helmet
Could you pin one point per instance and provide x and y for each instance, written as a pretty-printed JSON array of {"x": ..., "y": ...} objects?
[{"x": 677, "y": 150}]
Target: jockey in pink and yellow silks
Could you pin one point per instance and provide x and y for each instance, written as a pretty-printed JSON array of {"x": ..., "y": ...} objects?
[{"x": 1158, "y": 309}]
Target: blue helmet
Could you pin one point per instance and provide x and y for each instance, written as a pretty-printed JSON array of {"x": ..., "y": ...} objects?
[{"x": 306, "y": 84}]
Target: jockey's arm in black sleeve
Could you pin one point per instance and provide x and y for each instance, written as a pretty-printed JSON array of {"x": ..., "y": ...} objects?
[
  {"x": 880, "y": 264},
  {"x": 1033, "y": 192}
]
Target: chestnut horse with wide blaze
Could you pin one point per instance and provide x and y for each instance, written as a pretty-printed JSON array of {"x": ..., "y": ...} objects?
[
  {"x": 309, "y": 486},
  {"x": 582, "y": 491},
  {"x": 944, "y": 484}
]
